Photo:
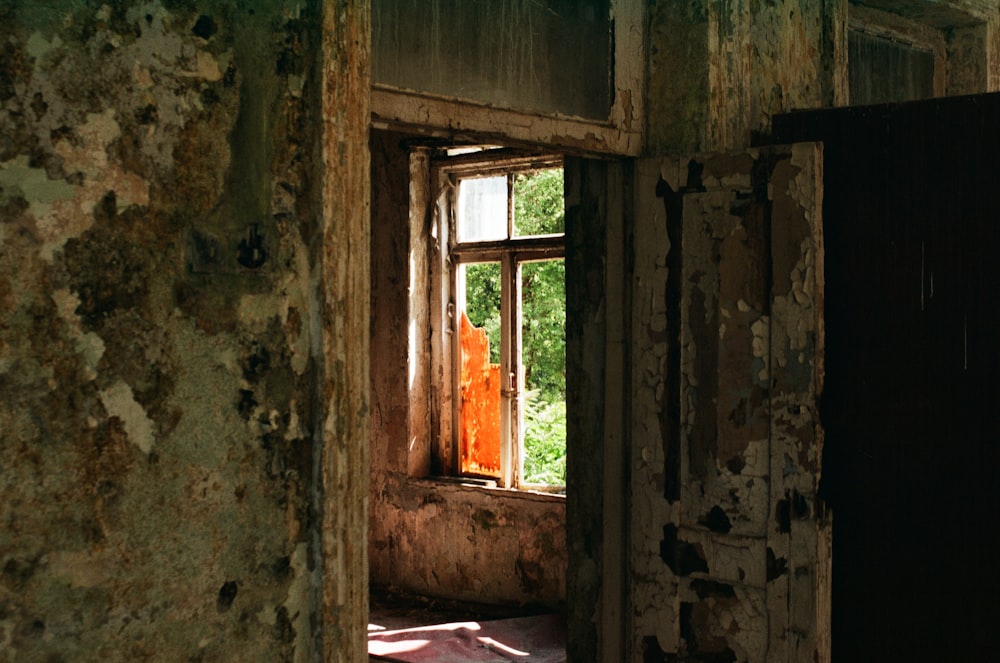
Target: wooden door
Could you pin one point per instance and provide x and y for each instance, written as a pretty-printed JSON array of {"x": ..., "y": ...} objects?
[{"x": 912, "y": 218}]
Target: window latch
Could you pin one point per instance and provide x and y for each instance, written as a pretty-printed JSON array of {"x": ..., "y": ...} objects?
[{"x": 511, "y": 390}]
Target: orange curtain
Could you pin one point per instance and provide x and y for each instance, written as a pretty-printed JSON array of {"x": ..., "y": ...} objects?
[{"x": 480, "y": 426}]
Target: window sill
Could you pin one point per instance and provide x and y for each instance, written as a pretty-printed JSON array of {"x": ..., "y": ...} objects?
[
  {"x": 433, "y": 114},
  {"x": 468, "y": 485}
]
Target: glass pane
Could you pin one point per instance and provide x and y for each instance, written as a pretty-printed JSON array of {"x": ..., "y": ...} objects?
[
  {"x": 480, "y": 379},
  {"x": 482, "y": 209},
  {"x": 543, "y": 355},
  {"x": 538, "y": 203},
  {"x": 551, "y": 56},
  {"x": 883, "y": 71}
]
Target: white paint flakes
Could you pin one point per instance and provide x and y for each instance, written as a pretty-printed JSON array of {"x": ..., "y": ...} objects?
[{"x": 119, "y": 401}]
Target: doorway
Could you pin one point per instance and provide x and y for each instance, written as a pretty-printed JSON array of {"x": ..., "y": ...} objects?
[{"x": 529, "y": 550}]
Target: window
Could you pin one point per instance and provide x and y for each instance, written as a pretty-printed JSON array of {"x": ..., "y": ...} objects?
[
  {"x": 915, "y": 50},
  {"x": 883, "y": 70},
  {"x": 563, "y": 73},
  {"x": 549, "y": 56},
  {"x": 502, "y": 285}
]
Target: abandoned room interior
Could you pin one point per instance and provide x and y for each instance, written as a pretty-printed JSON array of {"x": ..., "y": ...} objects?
[{"x": 670, "y": 323}]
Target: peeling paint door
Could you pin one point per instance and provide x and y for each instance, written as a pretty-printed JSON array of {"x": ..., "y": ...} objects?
[{"x": 730, "y": 546}]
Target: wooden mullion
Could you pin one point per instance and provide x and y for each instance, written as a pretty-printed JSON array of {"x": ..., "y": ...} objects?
[
  {"x": 532, "y": 248},
  {"x": 516, "y": 375},
  {"x": 510, "y": 205},
  {"x": 507, "y": 389},
  {"x": 496, "y": 162}
]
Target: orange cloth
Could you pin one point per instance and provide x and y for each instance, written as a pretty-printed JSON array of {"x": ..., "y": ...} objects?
[{"x": 480, "y": 426}]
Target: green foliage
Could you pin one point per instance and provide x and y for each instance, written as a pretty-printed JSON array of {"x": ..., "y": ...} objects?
[
  {"x": 545, "y": 442},
  {"x": 543, "y": 328},
  {"x": 482, "y": 305},
  {"x": 539, "y": 208}
]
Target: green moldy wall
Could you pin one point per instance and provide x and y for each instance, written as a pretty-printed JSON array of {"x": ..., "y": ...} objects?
[
  {"x": 158, "y": 343},
  {"x": 718, "y": 70}
]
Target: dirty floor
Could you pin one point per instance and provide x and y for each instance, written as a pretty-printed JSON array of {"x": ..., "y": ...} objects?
[{"x": 411, "y": 629}]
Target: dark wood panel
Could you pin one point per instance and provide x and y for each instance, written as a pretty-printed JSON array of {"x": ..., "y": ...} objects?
[{"x": 911, "y": 217}]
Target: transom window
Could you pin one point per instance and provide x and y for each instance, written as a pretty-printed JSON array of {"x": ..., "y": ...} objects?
[
  {"x": 507, "y": 301},
  {"x": 548, "y": 56}
]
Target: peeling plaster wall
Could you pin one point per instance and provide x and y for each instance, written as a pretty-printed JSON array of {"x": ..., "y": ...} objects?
[
  {"x": 968, "y": 70},
  {"x": 729, "y": 544},
  {"x": 718, "y": 70},
  {"x": 160, "y": 334},
  {"x": 467, "y": 543}
]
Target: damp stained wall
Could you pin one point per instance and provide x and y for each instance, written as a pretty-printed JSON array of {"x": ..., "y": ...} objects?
[
  {"x": 718, "y": 70},
  {"x": 163, "y": 392}
]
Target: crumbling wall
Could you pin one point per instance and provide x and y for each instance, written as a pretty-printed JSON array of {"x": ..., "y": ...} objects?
[
  {"x": 718, "y": 70},
  {"x": 464, "y": 542},
  {"x": 730, "y": 545},
  {"x": 967, "y": 65},
  {"x": 160, "y": 326}
]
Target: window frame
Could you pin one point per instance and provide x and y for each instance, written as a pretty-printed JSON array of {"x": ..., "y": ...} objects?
[
  {"x": 904, "y": 32},
  {"x": 942, "y": 32},
  {"x": 447, "y": 255}
]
